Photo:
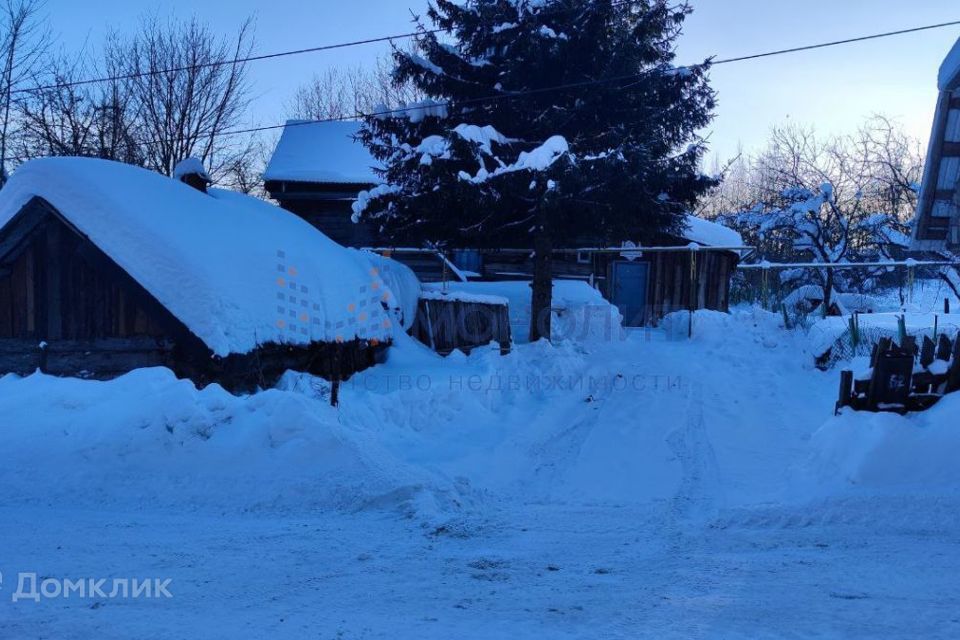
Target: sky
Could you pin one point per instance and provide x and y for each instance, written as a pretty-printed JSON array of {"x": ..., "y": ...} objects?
[{"x": 834, "y": 90}]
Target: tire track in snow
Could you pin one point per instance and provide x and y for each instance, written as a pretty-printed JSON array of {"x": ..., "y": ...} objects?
[{"x": 699, "y": 496}]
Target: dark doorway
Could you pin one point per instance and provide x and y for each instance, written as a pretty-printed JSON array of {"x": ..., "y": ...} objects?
[{"x": 629, "y": 291}]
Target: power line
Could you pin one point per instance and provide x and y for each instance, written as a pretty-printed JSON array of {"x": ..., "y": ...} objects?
[
  {"x": 260, "y": 57},
  {"x": 835, "y": 43},
  {"x": 221, "y": 63},
  {"x": 577, "y": 85}
]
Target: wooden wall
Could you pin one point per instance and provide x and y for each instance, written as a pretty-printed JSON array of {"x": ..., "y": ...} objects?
[
  {"x": 329, "y": 208},
  {"x": 52, "y": 292},
  {"x": 670, "y": 287}
]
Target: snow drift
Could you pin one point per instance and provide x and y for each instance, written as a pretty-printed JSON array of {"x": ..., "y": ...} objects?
[
  {"x": 885, "y": 453},
  {"x": 150, "y": 439}
]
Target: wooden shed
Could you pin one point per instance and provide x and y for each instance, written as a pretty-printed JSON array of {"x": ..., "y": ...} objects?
[
  {"x": 105, "y": 268},
  {"x": 316, "y": 172}
]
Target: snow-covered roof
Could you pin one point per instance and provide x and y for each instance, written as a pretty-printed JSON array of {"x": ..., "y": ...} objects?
[
  {"x": 237, "y": 271},
  {"x": 711, "y": 234},
  {"x": 950, "y": 69},
  {"x": 321, "y": 152}
]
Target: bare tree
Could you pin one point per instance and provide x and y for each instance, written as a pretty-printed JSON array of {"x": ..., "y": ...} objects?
[
  {"x": 340, "y": 93},
  {"x": 23, "y": 41},
  {"x": 335, "y": 94},
  {"x": 244, "y": 171},
  {"x": 189, "y": 89},
  {"x": 734, "y": 187},
  {"x": 68, "y": 118}
]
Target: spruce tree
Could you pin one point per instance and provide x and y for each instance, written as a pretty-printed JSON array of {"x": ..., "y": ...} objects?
[{"x": 549, "y": 122}]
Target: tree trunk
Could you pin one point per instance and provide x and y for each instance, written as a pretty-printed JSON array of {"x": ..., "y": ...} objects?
[
  {"x": 542, "y": 301},
  {"x": 827, "y": 293}
]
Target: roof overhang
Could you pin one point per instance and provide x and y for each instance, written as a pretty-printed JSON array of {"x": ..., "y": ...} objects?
[{"x": 949, "y": 79}]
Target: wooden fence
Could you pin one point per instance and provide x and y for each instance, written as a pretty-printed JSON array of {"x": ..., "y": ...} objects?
[
  {"x": 446, "y": 325},
  {"x": 904, "y": 377}
]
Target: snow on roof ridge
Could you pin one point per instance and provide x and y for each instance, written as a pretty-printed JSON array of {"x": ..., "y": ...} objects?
[{"x": 237, "y": 271}]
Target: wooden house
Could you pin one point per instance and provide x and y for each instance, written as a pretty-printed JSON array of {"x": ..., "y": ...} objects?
[
  {"x": 937, "y": 225},
  {"x": 319, "y": 169},
  {"x": 105, "y": 268},
  {"x": 316, "y": 172}
]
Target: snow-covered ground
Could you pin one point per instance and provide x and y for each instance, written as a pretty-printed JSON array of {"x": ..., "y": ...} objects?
[{"x": 624, "y": 487}]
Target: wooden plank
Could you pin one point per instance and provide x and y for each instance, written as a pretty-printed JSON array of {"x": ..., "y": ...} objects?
[
  {"x": 943, "y": 348},
  {"x": 21, "y": 230},
  {"x": 30, "y": 292},
  {"x": 846, "y": 386},
  {"x": 927, "y": 352},
  {"x": 91, "y": 358},
  {"x": 111, "y": 345},
  {"x": 6, "y": 308},
  {"x": 19, "y": 299},
  {"x": 53, "y": 286},
  {"x": 953, "y": 374}
]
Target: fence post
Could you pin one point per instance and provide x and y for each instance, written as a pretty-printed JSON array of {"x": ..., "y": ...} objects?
[
  {"x": 335, "y": 393},
  {"x": 846, "y": 388},
  {"x": 693, "y": 289},
  {"x": 764, "y": 284}
]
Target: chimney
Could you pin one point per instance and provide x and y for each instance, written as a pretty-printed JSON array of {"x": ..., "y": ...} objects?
[{"x": 190, "y": 171}]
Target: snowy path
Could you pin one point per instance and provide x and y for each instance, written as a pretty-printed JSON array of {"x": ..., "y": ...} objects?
[
  {"x": 548, "y": 572},
  {"x": 659, "y": 506}
]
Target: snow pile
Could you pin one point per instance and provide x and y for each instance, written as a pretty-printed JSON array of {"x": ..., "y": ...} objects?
[
  {"x": 716, "y": 328},
  {"x": 885, "y": 452},
  {"x": 464, "y": 296},
  {"x": 710, "y": 234},
  {"x": 415, "y": 112},
  {"x": 401, "y": 282},
  {"x": 190, "y": 167},
  {"x": 237, "y": 271},
  {"x": 580, "y": 312},
  {"x": 803, "y": 297},
  {"x": 150, "y": 439},
  {"x": 321, "y": 152}
]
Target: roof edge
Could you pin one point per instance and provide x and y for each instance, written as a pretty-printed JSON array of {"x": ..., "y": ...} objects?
[{"x": 949, "y": 78}]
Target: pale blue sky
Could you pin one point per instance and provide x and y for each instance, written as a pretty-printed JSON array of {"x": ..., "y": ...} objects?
[{"x": 833, "y": 89}]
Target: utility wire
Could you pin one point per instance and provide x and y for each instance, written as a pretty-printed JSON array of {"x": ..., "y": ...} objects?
[
  {"x": 257, "y": 58},
  {"x": 577, "y": 85},
  {"x": 835, "y": 43},
  {"x": 219, "y": 63}
]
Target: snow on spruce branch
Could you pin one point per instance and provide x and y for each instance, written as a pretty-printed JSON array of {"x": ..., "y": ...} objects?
[{"x": 539, "y": 159}]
